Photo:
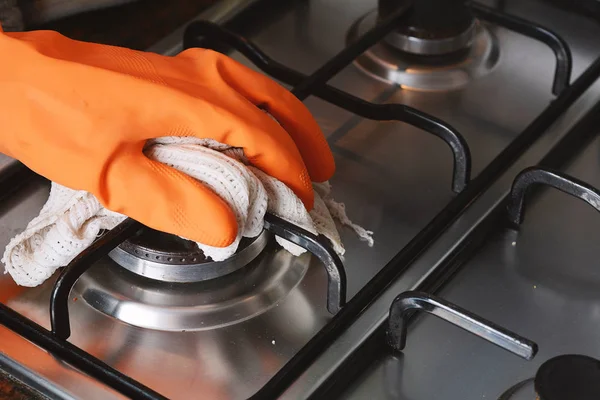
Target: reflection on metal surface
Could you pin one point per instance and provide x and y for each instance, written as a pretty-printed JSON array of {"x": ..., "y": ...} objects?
[
  {"x": 417, "y": 45},
  {"x": 234, "y": 362},
  {"x": 521, "y": 391},
  {"x": 561, "y": 49},
  {"x": 13, "y": 175},
  {"x": 408, "y": 302},
  {"x": 552, "y": 298},
  {"x": 34, "y": 384},
  {"x": 176, "y": 260},
  {"x": 226, "y": 363},
  {"x": 430, "y": 27},
  {"x": 392, "y": 373},
  {"x": 193, "y": 306},
  {"x": 220, "y": 12},
  {"x": 386, "y": 64},
  {"x": 540, "y": 176},
  {"x": 335, "y": 65}
]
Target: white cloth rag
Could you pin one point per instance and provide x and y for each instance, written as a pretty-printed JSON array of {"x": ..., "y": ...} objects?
[{"x": 71, "y": 220}]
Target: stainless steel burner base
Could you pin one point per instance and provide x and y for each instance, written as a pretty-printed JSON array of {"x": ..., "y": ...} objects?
[
  {"x": 388, "y": 65},
  {"x": 429, "y": 47},
  {"x": 195, "y": 306},
  {"x": 191, "y": 267}
]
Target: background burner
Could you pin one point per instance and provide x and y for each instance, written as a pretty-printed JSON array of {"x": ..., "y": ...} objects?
[
  {"x": 431, "y": 27},
  {"x": 164, "y": 257},
  {"x": 426, "y": 73}
]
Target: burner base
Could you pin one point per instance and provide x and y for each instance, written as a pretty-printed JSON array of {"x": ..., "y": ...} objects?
[{"x": 200, "y": 306}]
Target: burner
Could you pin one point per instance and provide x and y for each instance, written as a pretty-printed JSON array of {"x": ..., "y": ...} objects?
[
  {"x": 564, "y": 377},
  {"x": 434, "y": 72},
  {"x": 164, "y": 257},
  {"x": 569, "y": 377},
  {"x": 431, "y": 27},
  {"x": 205, "y": 305}
]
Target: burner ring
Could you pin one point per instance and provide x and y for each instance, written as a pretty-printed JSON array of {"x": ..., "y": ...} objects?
[
  {"x": 426, "y": 73},
  {"x": 432, "y": 47},
  {"x": 185, "y": 263}
]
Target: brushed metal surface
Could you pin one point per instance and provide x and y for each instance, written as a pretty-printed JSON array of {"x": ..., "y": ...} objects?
[
  {"x": 542, "y": 280},
  {"x": 204, "y": 305},
  {"x": 6, "y": 162},
  {"x": 502, "y": 96},
  {"x": 393, "y": 178}
]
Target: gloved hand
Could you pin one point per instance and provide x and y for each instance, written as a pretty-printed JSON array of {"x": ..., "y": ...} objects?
[{"x": 80, "y": 113}]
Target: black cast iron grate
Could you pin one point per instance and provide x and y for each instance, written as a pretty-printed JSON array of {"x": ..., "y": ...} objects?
[{"x": 467, "y": 190}]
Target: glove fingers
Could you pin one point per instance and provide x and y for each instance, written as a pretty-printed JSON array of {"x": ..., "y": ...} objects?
[
  {"x": 290, "y": 112},
  {"x": 174, "y": 97},
  {"x": 230, "y": 118},
  {"x": 167, "y": 200}
]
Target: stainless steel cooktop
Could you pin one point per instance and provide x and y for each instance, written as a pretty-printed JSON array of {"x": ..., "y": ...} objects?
[
  {"x": 227, "y": 339},
  {"x": 539, "y": 280}
]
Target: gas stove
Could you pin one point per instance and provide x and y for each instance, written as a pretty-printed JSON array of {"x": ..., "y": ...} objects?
[{"x": 441, "y": 126}]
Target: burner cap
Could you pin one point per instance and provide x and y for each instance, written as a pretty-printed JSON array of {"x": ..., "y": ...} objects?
[
  {"x": 569, "y": 377},
  {"x": 164, "y": 257},
  {"x": 431, "y": 27}
]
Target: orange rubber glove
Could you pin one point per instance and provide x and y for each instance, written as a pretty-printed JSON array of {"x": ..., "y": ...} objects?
[{"x": 79, "y": 114}]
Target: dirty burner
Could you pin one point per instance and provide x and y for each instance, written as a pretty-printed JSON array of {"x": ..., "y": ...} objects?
[
  {"x": 210, "y": 304},
  {"x": 160, "y": 256},
  {"x": 436, "y": 72}
]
